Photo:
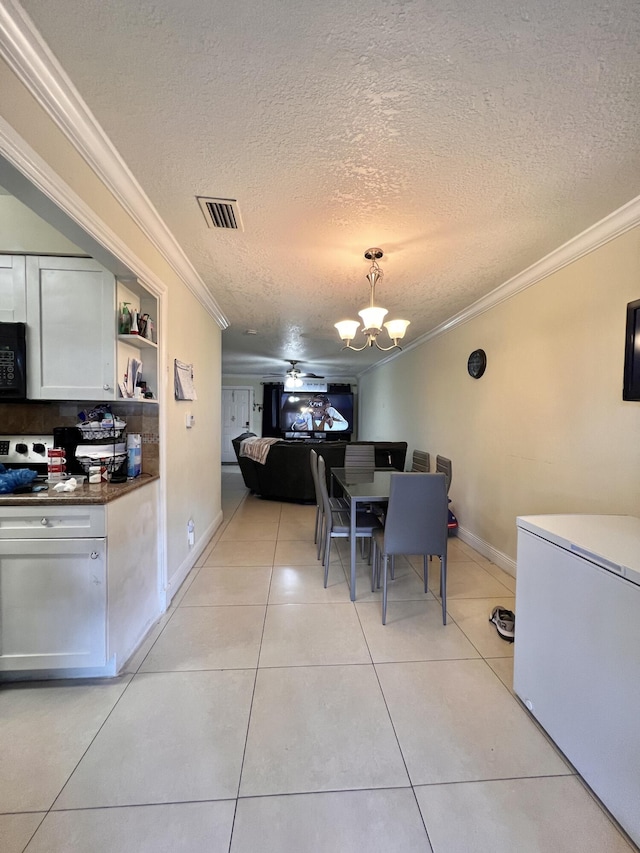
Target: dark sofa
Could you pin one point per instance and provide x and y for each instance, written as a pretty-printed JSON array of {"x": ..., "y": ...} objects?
[{"x": 286, "y": 475}]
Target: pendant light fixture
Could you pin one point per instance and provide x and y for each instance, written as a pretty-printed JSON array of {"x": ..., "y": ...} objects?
[{"x": 373, "y": 316}]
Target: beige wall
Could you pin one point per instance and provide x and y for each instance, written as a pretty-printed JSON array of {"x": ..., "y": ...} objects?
[
  {"x": 23, "y": 232},
  {"x": 545, "y": 430},
  {"x": 191, "y": 476}
]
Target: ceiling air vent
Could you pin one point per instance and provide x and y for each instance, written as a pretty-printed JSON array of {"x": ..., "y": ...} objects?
[{"x": 221, "y": 213}]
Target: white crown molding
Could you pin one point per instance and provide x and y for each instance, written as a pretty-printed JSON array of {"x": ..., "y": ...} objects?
[
  {"x": 607, "y": 229},
  {"x": 29, "y": 57}
]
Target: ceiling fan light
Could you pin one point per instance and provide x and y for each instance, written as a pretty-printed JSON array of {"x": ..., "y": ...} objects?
[
  {"x": 347, "y": 329},
  {"x": 396, "y": 328},
  {"x": 373, "y": 317},
  {"x": 291, "y": 381}
]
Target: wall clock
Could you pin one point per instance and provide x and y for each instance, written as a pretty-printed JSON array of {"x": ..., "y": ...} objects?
[{"x": 477, "y": 363}]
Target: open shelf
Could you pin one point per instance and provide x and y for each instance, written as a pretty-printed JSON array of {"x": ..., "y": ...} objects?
[{"x": 137, "y": 341}]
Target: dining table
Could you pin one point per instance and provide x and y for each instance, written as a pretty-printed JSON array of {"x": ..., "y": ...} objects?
[{"x": 360, "y": 486}]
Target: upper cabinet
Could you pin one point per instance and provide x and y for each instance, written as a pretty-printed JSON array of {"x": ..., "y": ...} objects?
[
  {"x": 72, "y": 310},
  {"x": 13, "y": 307},
  {"x": 70, "y": 330},
  {"x": 74, "y": 351}
]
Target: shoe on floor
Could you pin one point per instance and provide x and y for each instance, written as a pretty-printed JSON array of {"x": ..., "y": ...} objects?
[{"x": 505, "y": 622}]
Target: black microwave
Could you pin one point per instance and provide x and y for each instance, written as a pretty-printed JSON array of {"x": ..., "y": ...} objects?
[{"x": 13, "y": 361}]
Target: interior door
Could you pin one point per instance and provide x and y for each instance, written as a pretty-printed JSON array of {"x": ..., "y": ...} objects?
[{"x": 235, "y": 418}]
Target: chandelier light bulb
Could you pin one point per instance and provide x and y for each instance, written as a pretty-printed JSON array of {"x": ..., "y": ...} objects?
[
  {"x": 396, "y": 329},
  {"x": 372, "y": 318},
  {"x": 347, "y": 329}
]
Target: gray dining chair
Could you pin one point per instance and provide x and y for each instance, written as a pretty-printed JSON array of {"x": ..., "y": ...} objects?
[
  {"x": 416, "y": 523},
  {"x": 443, "y": 466},
  {"x": 360, "y": 456},
  {"x": 337, "y": 523},
  {"x": 421, "y": 461},
  {"x": 335, "y": 503}
]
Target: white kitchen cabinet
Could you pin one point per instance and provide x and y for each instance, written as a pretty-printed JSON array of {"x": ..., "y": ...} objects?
[
  {"x": 71, "y": 332},
  {"x": 12, "y": 289},
  {"x": 66, "y": 521},
  {"x": 79, "y": 584},
  {"x": 53, "y": 604}
]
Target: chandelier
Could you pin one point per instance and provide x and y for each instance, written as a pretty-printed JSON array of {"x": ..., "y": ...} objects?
[{"x": 372, "y": 317}]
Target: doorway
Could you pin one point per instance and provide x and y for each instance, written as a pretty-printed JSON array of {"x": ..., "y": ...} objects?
[{"x": 236, "y": 405}]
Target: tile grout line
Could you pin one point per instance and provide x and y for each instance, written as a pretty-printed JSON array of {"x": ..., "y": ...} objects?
[{"x": 253, "y": 693}]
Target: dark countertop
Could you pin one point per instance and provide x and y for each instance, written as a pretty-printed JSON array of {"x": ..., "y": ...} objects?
[{"x": 89, "y": 493}]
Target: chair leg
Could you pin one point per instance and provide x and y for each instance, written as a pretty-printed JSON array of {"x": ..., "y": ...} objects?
[
  {"x": 327, "y": 555},
  {"x": 443, "y": 586},
  {"x": 374, "y": 559},
  {"x": 393, "y": 567},
  {"x": 315, "y": 534},
  {"x": 320, "y": 549},
  {"x": 425, "y": 571},
  {"x": 326, "y": 574},
  {"x": 385, "y": 561}
]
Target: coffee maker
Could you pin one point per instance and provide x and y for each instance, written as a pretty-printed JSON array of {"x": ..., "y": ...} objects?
[{"x": 69, "y": 438}]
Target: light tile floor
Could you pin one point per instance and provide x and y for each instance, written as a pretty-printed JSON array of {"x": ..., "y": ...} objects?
[{"x": 265, "y": 713}]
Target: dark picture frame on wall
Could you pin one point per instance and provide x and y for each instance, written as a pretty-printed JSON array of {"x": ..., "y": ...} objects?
[{"x": 631, "y": 384}]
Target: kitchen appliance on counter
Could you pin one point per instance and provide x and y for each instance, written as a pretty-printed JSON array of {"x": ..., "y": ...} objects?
[
  {"x": 13, "y": 361},
  {"x": 68, "y": 438}
]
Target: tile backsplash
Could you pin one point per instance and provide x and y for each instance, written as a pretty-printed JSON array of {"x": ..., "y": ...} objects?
[{"x": 40, "y": 418}]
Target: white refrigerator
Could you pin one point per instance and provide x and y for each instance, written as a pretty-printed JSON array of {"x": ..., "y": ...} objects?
[{"x": 577, "y": 647}]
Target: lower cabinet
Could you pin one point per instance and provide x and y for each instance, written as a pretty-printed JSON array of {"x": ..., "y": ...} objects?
[
  {"x": 53, "y": 603},
  {"x": 79, "y": 586}
]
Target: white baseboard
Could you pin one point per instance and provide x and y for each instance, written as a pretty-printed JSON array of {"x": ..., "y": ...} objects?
[
  {"x": 107, "y": 671},
  {"x": 176, "y": 580},
  {"x": 501, "y": 560}
]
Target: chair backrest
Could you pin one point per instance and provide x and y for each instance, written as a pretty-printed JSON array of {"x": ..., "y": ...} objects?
[
  {"x": 313, "y": 461},
  {"x": 421, "y": 461},
  {"x": 322, "y": 486},
  {"x": 443, "y": 466},
  {"x": 416, "y": 519},
  {"x": 360, "y": 456}
]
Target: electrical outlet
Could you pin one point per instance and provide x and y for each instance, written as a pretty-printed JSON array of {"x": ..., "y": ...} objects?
[
  {"x": 191, "y": 532},
  {"x": 189, "y": 421}
]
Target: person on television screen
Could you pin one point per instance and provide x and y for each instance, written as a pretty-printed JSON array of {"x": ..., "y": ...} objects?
[{"x": 319, "y": 416}]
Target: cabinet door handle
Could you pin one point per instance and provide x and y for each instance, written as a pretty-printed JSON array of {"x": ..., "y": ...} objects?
[
  {"x": 106, "y": 387},
  {"x": 94, "y": 555},
  {"x": 44, "y": 522}
]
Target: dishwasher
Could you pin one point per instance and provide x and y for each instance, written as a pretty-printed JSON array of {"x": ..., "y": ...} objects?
[{"x": 577, "y": 647}]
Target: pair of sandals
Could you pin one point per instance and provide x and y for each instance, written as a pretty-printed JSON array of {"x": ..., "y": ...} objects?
[{"x": 505, "y": 622}]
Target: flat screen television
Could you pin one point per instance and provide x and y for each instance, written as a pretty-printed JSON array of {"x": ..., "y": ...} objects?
[
  {"x": 631, "y": 384},
  {"x": 308, "y": 414}
]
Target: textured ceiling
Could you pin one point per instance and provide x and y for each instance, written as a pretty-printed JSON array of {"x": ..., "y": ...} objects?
[{"x": 467, "y": 140}]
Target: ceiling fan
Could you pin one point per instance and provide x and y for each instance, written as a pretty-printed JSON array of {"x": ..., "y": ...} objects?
[{"x": 294, "y": 373}]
